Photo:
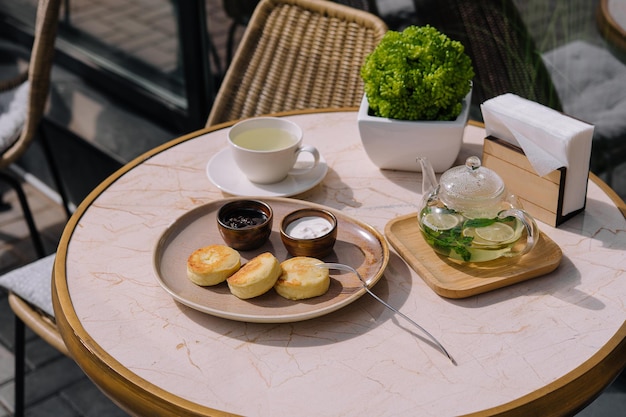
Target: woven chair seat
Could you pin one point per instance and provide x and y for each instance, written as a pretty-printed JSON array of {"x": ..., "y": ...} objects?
[
  {"x": 13, "y": 110},
  {"x": 297, "y": 54},
  {"x": 32, "y": 283},
  {"x": 592, "y": 85}
]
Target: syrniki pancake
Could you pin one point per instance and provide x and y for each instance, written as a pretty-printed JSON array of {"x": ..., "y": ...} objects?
[
  {"x": 256, "y": 277},
  {"x": 212, "y": 264},
  {"x": 300, "y": 279}
]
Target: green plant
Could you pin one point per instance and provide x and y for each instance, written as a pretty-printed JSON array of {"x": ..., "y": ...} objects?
[{"x": 417, "y": 74}]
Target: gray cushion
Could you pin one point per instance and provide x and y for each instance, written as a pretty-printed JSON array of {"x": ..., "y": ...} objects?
[
  {"x": 591, "y": 83},
  {"x": 32, "y": 283},
  {"x": 13, "y": 108}
]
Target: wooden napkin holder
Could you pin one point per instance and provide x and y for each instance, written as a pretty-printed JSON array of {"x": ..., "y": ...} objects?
[{"x": 542, "y": 197}]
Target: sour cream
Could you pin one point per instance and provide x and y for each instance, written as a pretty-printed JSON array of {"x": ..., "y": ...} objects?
[{"x": 309, "y": 227}]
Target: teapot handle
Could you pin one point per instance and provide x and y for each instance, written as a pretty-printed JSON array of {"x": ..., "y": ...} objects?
[{"x": 529, "y": 223}]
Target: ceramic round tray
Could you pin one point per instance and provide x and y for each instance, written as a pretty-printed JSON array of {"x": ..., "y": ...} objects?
[{"x": 358, "y": 245}]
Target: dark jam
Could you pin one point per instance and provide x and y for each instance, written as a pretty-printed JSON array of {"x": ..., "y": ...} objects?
[{"x": 242, "y": 218}]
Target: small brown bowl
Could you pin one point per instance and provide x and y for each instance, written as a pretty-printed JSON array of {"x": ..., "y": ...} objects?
[
  {"x": 309, "y": 232},
  {"x": 245, "y": 224}
]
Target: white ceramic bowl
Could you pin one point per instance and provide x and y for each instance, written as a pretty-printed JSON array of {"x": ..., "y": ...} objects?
[{"x": 395, "y": 144}]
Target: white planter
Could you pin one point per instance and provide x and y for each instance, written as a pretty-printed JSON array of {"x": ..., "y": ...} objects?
[{"x": 395, "y": 144}]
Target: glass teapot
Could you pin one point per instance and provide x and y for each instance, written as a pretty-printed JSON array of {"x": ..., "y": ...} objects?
[{"x": 469, "y": 216}]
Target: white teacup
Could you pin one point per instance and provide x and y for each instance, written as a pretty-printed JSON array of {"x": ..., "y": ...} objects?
[{"x": 266, "y": 149}]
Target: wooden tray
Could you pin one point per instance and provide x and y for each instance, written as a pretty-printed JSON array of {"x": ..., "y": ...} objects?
[{"x": 453, "y": 279}]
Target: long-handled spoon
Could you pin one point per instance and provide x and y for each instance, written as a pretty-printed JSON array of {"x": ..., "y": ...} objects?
[{"x": 347, "y": 268}]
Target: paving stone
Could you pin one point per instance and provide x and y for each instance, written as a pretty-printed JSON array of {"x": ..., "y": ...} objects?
[
  {"x": 7, "y": 365},
  {"x": 7, "y": 396},
  {"x": 52, "y": 407},
  {"x": 39, "y": 353},
  {"x": 6, "y": 322},
  {"x": 48, "y": 380},
  {"x": 90, "y": 401}
]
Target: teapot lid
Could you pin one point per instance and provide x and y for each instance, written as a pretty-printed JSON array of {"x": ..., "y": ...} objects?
[{"x": 471, "y": 184}]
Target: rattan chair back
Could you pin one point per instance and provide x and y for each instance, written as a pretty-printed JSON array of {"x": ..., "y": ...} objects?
[
  {"x": 31, "y": 279},
  {"x": 38, "y": 75},
  {"x": 297, "y": 54}
]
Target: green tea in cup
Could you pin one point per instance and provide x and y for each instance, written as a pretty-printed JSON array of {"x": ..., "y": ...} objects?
[
  {"x": 266, "y": 149},
  {"x": 265, "y": 139}
]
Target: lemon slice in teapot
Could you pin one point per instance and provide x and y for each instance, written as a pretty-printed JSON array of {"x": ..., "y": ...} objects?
[
  {"x": 441, "y": 221},
  {"x": 496, "y": 232}
]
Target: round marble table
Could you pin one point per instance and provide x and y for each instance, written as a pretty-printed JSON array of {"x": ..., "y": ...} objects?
[{"x": 546, "y": 346}]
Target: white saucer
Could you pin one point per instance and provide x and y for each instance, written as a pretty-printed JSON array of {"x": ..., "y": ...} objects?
[{"x": 223, "y": 172}]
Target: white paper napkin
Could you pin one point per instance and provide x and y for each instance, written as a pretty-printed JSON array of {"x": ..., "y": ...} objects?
[{"x": 549, "y": 139}]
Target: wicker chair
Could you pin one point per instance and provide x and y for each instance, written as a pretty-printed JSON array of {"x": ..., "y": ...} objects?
[
  {"x": 25, "y": 99},
  {"x": 240, "y": 12},
  {"x": 297, "y": 54},
  {"x": 502, "y": 50}
]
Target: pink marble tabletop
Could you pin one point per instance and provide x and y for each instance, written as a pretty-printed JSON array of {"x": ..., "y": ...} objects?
[{"x": 513, "y": 346}]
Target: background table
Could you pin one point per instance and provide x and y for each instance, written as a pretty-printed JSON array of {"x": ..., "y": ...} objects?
[
  {"x": 543, "y": 347},
  {"x": 611, "y": 18}
]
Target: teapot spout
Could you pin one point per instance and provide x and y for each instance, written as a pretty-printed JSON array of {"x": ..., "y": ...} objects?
[{"x": 429, "y": 180}]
